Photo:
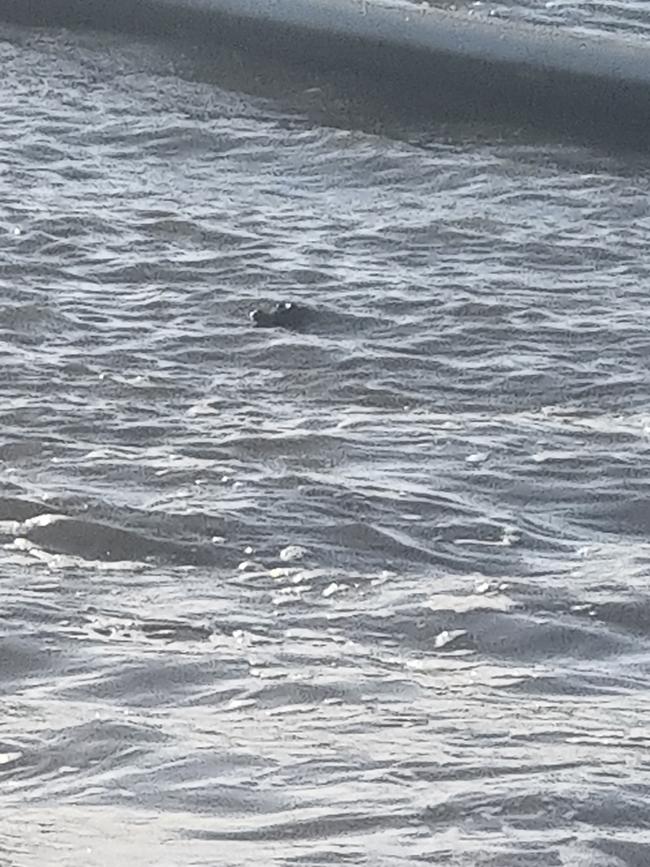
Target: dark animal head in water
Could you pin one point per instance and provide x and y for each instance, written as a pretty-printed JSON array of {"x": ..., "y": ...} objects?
[{"x": 283, "y": 315}]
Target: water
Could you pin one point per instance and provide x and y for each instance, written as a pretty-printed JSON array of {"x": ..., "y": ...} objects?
[
  {"x": 371, "y": 593},
  {"x": 613, "y": 16}
]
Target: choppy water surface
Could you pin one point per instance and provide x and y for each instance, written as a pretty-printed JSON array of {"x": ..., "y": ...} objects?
[
  {"x": 372, "y": 593},
  {"x": 614, "y": 16}
]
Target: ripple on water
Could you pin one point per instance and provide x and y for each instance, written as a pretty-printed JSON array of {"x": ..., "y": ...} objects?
[{"x": 371, "y": 592}]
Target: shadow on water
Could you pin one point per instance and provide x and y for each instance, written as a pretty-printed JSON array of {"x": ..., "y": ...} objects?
[{"x": 366, "y": 84}]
